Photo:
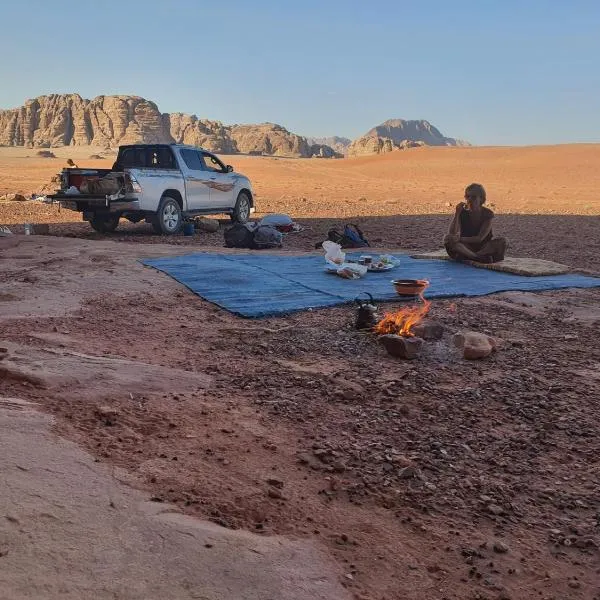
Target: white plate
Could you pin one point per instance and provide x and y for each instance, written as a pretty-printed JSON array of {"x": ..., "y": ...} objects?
[{"x": 374, "y": 269}]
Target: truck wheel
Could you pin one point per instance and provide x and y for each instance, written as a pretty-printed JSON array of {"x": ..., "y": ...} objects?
[
  {"x": 168, "y": 218},
  {"x": 241, "y": 212},
  {"x": 105, "y": 223}
]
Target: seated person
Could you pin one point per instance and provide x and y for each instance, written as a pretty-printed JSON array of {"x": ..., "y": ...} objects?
[{"x": 470, "y": 234}]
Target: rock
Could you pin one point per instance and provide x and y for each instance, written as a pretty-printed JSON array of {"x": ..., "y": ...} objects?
[
  {"x": 275, "y": 494},
  {"x": 269, "y": 138},
  {"x": 109, "y": 121},
  {"x": 400, "y": 134},
  {"x": 338, "y": 144},
  {"x": 45, "y": 154},
  {"x": 108, "y": 414},
  {"x": 209, "y": 225},
  {"x": 500, "y": 547},
  {"x": 494, "y": 509},
  {"x": 475, "y": 345},
  {"x": 275, "y": 482},
  {"x": 402, "y": 347},
  {"x": 12, "y": 198},
  {"x": 409, "y": 473},
  {"x": 324, "y": 151},
  {"x": 428, "y": 329}
]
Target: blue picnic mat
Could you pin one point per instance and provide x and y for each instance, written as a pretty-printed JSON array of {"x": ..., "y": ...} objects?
[{"x": 260, "y": 285}]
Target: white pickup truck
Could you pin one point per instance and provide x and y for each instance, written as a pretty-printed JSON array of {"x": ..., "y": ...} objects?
[{"x": 163, "y": 184}]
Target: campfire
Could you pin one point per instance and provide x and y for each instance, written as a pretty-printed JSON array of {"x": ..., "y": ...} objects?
[{"x": 402, "y": 321}]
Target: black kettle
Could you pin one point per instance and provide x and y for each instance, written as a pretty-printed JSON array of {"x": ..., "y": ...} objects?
[{"x": 366, "y": 315}]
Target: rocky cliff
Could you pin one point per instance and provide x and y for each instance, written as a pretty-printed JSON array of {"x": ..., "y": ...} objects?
[
  {"x": 339, "y": 144},
  {"x": 398, "y": 134},
  {"x": 108, "y": 121}
]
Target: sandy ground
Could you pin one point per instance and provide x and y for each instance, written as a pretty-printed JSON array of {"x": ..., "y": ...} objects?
[{"x": 437, "y": 478}]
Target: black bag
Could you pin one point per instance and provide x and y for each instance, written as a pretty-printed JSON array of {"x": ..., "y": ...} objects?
[
  {"x": 239, "y": 236},
  {"x": 351, "y": 238},
  {"x": 266, "y": 236}
]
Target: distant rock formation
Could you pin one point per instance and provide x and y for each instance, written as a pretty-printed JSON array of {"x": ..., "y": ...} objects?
[
  {"x": 339, "y": 144},
  {"x": 398, "y": 134},
  {"x": 109, "y": 121}
]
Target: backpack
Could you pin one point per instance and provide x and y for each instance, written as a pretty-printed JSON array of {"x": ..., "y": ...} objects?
[
  {"x": 266, "y": 236},
  {"x": 239, "y": 236},
  {"x": 351, "y": 238}
]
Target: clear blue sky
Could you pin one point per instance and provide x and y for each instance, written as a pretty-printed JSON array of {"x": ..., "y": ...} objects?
[{"x": 488, "y": 71}]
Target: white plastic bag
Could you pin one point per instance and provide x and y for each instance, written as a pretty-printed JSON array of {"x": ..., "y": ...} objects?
[{"x": 333, "y": 253}]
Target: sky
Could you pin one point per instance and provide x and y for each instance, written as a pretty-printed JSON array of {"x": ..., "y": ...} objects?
[{"x": 492, "y": 72}]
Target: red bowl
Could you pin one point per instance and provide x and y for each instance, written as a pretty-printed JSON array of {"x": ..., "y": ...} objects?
[{"x": 410, "y": 287}]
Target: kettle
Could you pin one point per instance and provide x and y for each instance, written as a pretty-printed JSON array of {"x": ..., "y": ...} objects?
[{"x": 366, "y": 315}]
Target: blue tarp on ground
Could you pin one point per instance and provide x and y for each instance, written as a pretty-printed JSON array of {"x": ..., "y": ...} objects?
[{"x": 260, "y": 285}]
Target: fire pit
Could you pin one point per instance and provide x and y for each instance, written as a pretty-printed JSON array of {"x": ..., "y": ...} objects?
[{"x": 397, "y": 329}]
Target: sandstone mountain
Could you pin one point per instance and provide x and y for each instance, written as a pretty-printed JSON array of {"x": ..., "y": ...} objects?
[
  {"x": 339, "y": 144},
  {"x": 398, "y": 134},
  {"x": 108, "y": 121}
]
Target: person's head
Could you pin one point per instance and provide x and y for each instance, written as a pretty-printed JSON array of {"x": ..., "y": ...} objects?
[
  {"x": 475, "y": 196},
  {"x": 70, "y": 162}
]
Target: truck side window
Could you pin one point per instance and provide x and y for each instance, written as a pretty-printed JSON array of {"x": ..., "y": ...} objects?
[
  {"x": 192, "y": 160},
  {"x": 212, "y": 163}
]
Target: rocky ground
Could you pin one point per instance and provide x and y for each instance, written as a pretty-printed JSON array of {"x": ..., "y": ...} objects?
[{"x": 434, "y": 478}]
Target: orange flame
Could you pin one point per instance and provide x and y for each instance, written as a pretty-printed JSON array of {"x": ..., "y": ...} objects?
[{"x": 402, "y": 321}]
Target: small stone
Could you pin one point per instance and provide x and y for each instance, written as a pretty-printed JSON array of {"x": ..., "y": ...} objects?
[
  {"x": 107, "y": 413},
  {"x": 494, "y": 509},
  {"x": 409, "y": 473},
  {"x": 474, "y": 345},
  {"x": 401, "y": 346},
  {"x": 275, "y": 494},
  {"x": 500, "y": 547},
  {"x": 275, "y": 482},
  {"x": 574, "y": 584},
  {"x": 338, "y": 466}
]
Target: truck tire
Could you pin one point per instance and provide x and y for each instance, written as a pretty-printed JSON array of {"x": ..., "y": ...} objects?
[
  {"x": 168, "y": 219},
  {"x": 241, "y": 212},
  {"x": 105, "y": 223}
]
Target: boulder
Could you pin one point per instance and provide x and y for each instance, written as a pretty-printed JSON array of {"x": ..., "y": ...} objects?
[{"x": 475, "y": 345}]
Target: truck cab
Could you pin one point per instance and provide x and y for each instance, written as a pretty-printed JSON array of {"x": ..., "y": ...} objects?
[{"x": 163, "y": 184}]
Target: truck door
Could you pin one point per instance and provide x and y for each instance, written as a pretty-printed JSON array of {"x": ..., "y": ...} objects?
[
  {"x": 221, "y": 182},
  {"x": 197, "y": 188}
]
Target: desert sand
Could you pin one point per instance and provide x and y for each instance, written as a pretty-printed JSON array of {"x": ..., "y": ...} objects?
[{"x": 436, "y": 478}]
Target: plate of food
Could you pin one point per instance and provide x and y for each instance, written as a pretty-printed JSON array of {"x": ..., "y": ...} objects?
[{"x": 380, "y": 267}]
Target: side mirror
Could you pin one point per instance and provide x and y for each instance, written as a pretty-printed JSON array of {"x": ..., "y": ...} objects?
[{"x": 229, "y": 168}]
